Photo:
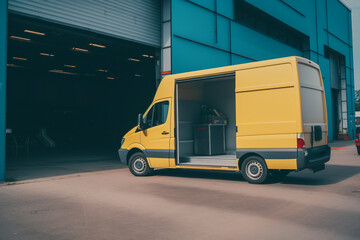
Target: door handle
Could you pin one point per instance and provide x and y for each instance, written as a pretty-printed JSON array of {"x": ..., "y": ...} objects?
[{"x": 165, "y": 133}]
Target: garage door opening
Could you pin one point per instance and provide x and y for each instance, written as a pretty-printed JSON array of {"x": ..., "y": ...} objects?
[{"x": 72, "y": 92}]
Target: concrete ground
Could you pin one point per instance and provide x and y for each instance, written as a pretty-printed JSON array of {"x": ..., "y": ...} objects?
[
  {"x": 59, "y": 164},
  {"x": 175, "y": 204}
]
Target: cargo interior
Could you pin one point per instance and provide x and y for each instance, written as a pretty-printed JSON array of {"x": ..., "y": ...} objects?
[{"x": 200, "y": 143}]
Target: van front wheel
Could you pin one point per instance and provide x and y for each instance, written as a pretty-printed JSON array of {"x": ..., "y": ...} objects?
[
  {"x": 138, "y": 165},
  {"x": 254, "y": 170}
]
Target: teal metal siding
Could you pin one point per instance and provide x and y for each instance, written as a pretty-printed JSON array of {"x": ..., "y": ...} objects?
[{"x": 3, "y": 50}]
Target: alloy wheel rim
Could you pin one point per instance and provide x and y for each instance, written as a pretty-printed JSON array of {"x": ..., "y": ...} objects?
[
  {"x": 139, "y": 165},
  {"x": 254, "y": 170}
]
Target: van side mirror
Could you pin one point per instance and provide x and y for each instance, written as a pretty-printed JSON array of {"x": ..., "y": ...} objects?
[{"x": 140, "y": 122}]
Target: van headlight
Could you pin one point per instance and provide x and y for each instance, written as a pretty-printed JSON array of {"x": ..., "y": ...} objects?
[{"x": 122, "y": 141}]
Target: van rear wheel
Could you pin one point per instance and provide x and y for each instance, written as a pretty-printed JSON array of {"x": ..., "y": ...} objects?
[
  {"x": 138, "y": 165},
  {"x": 254, "y": 170}
]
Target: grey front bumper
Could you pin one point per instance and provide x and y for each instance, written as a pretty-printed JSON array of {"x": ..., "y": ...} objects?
[
  {"x": 313, "y": 157},
  {"x": 123, "y": 155}
]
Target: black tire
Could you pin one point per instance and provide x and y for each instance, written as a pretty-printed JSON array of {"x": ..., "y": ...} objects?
[
  {"x": 358, "y": 150},
  {"x": 138, "y": 165},
  {"x": 254, "y": 170},
  {"x": 279, "y": 173}
]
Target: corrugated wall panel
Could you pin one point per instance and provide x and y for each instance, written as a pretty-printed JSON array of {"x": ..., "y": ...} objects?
[{"x": 137, "y": 20}]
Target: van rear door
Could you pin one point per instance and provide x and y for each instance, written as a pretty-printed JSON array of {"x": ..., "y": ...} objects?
[{"x": 313, "y": 106}]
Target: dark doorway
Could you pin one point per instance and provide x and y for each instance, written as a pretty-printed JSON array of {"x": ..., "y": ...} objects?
[
  {"x": 72, "y": 91},
  {"x": 338, "y": 86},
  {"x": 335, "y": 112}
]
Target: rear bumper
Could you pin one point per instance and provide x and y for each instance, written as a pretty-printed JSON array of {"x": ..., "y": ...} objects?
[
  {"x": 123, "y": 155},
  {"x": 313, "y": 157}
]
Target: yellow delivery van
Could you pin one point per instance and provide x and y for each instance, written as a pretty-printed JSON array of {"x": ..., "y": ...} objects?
[{"x": 262, "y": 118}]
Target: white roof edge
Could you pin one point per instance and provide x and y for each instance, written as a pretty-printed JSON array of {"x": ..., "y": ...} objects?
[{"x": 345, "y": 5}]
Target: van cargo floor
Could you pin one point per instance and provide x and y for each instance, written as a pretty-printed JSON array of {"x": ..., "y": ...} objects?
[{"x": 217, "y": 160}]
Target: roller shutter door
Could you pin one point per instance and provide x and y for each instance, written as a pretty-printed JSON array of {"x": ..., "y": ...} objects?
[{"x": 135, "y": 20}]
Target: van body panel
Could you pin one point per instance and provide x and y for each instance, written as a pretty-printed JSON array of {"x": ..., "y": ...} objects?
[
  {"x": 288, "y": 164},
  {"x": 136, "y": 145},
  {"x": 267, "y": 141},
  {"x": 268, "y": 77},
  {"x": 266, "y": 112},
  {"x": 165, "y": 89},
  {"x": 172, "y": 162},
  {"x": 132, "y": 138},
  {"x": 262, "y": 113},
  {"x": 158, "y": 162}
]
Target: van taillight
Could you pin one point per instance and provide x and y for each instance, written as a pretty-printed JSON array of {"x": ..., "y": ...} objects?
[
  {"x": 300, "y": 140},
  {"x": 300, "y": 143}
]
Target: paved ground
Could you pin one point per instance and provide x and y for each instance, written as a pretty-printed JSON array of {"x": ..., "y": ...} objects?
[
  {"x": 112, "y": 204},
  {"x": 50, "y": 165}
]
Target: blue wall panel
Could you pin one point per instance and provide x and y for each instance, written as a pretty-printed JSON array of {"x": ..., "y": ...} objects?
[
  {"x": 338, "y": 20},
  {"x": 192, "y": 56},
  {"x": 322, "y": 24},
  {"x": 199, "y": 25},
  {"x": 235, "y": 59},
  {"x": 3, "y": 50},
  {"x": 340, "y": 47},
  {"x": 258, "y": 46},
  {"x": 223, "y": 33},
  {"x": 314, "y": 56},
  {"x": 225, "y": 7},
  {"x": 210, "y": 4}
]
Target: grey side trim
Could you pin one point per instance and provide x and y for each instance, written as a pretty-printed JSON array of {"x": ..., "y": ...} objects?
[
  {"x": 157, "y": 153},
  {"x": 301, "y": 159},
  {"x": 269, "y": 153},
  {"x": 123, "y": 155}
]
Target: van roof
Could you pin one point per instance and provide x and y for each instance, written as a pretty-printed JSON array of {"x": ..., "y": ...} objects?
[{"x": 233, "y": 68}]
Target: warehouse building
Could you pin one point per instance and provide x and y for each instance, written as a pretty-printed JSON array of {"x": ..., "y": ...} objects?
[{"x": 76, "y": 73}]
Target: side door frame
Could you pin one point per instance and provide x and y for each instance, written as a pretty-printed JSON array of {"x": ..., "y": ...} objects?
[{"x": 163, "y": 153}]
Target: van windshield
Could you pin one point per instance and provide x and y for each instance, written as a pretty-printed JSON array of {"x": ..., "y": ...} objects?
[{"x": 311, "y": 95}]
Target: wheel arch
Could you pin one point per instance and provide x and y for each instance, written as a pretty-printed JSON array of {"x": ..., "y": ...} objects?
[
  {"x": 246, "y": 155},
  {"x": 131, "y": 152}
]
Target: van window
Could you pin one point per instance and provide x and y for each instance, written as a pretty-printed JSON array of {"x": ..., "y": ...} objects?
[
  {"x": 157, "y": 114},
  {"x": 311, "y": 95}
]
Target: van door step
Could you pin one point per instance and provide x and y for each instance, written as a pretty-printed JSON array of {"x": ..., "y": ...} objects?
[{"x": 216, "y": 160}]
